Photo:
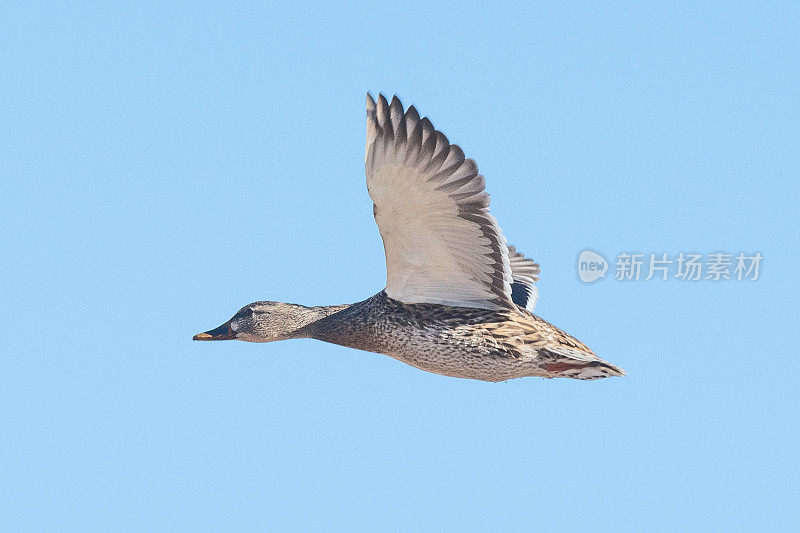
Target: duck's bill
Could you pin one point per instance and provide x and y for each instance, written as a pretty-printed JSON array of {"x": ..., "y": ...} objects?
[{"x": 222, "y": 333}]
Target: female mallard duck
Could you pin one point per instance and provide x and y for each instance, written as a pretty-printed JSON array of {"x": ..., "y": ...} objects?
[{"x": 458, "y": 300}]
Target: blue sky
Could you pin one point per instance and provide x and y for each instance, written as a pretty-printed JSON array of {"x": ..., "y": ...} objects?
[{"x": 164, "y": 165}]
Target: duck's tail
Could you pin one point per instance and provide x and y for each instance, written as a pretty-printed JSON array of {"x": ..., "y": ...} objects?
[
  {"x": 589, "y": 370},
  {"x": 578, "y": 362}
]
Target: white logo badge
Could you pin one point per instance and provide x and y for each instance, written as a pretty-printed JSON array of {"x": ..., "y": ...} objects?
[{"x": 591, "y": 266}]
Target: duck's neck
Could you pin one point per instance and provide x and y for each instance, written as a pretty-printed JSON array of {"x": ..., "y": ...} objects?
[
  {"x": 311, "y": 315},
  {"x": 322, "y": 311}
]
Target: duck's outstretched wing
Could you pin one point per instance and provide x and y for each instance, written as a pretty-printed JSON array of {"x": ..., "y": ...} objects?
[
  {"x": 442, "y": 245},
  {"x": 524, "y": 273}
]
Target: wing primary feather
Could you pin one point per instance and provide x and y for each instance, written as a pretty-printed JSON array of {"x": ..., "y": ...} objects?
[
  {"x": 428, "y": 141},
  {"x": 412, "y": 118},
  {"x": 450, "y": 186},
  {"x": 436, "y": 161},
  {"x": 384, "y": 117},
  {"x": 454, "y": 159},
  {"x": 397, "y": 116}
]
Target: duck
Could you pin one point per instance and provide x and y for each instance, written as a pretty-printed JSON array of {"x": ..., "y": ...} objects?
[{"x": 458, "y": 299}]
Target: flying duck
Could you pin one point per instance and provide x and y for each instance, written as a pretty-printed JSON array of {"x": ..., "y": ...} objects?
[{"x": 458, "y": 300}]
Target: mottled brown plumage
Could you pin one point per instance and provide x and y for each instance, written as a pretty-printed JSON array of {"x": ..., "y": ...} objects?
[{"x": 460, "y": 341}]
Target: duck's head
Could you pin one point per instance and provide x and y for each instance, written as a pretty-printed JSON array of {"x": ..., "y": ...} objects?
[{"x": 262, "y": 322}]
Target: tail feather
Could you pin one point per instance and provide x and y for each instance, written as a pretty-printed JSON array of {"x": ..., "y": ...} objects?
[{"x": 592, "y": 370}]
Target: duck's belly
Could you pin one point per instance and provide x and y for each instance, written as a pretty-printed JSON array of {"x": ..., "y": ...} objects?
[
  {"x": 454, "y": 354},
  {"x": 464, "y": 366}
]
